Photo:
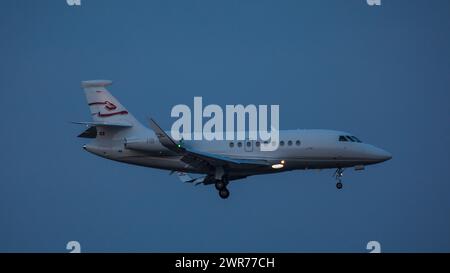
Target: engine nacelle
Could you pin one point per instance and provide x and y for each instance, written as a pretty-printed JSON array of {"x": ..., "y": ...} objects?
[{"x": 149, "y": 145}]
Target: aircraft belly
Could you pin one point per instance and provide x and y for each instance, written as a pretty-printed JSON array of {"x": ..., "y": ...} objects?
[
  {"x": 167, "y": 163},
  {"x": 323, "y": 163}
]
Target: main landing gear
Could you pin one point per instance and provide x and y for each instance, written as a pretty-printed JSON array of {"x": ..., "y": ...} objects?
[
  {"x": 221, "y": 186},
  {"x": 221, "y": 182},
  {"x": 338, "y": 175}
]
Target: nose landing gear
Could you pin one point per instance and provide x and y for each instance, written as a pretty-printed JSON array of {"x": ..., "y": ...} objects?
[{"x": 338, "y": 175}]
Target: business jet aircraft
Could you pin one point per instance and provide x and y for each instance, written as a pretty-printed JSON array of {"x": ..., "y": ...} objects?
[{"x": 118, "y": 136}]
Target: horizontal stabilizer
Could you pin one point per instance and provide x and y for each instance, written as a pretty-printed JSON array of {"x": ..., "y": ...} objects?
[
  {"x": 104, "y": 123},
  {"x": 91, "y": 132}
]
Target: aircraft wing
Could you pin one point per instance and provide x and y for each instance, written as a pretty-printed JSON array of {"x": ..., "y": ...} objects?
[
  {"x": 165, "y": 139},
  {"x": 195, "y": 157},
  {"x": 218, "y": 160},
  {"x": 186, "y": 178}
]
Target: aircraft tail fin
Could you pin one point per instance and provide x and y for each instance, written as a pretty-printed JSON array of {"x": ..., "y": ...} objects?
[{"x": 104, "y": 107}]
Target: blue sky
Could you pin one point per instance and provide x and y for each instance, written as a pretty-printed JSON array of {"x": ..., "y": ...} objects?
[{"x": 381, "y": 73}]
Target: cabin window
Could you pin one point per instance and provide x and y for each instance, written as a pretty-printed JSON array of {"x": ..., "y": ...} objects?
[
  {"x": 239, "y": 144},
  {"x": 290, "y": 142},
  {"x": 282, "y": 143},
  {"x": 297, "y": 143},
  {"x": 257, "y": 143},
  {"x": 249, "y": 144},
  {"x": 231, "y": 144}
]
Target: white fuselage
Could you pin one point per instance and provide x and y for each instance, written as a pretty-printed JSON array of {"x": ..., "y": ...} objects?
[{"x": 298, "y": 149}]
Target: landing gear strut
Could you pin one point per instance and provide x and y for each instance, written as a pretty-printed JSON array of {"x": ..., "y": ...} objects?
[
  {"x": 338, "y": 175},
  {"x": 221, "y": 186}
]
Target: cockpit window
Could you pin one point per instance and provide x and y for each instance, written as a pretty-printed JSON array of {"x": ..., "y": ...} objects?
[{"x": 349, "y": 138}]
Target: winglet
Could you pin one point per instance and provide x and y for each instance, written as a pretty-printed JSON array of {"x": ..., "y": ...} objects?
[{"x": 164, "y": 138}]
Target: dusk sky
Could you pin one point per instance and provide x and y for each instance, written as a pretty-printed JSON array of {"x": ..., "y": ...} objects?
[{"x": 379, "y": 72}]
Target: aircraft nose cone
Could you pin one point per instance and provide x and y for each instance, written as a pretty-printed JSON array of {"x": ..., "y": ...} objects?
[{"x": 380, "y": 155}]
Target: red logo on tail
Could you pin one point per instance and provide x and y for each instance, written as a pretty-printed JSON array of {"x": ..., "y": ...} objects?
[{"x": 109, "y": 106}]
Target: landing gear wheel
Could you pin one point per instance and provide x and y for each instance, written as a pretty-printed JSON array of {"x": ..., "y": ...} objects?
[
  {"x": 224, "y": 193},
  {"x": 220, "y": 185},
  {"x": 338, "y": 175}
]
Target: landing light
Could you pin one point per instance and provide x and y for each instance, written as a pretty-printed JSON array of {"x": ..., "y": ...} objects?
[{"x": 278, "y": 165}]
